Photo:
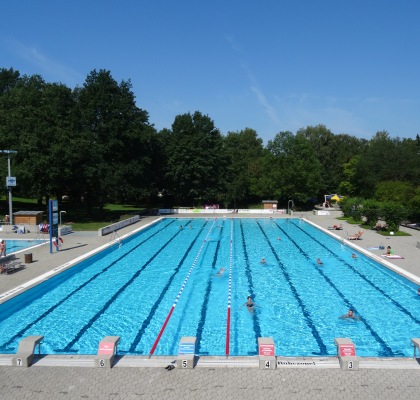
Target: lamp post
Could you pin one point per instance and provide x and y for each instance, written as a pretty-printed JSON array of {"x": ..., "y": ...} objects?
[{"x": 10, "y": 182}]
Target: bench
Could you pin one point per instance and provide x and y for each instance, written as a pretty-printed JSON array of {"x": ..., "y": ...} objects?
[
  {"x": 10, "y": 264},
  {"x": 13, "y": 266},
  {"x": 6, "y": 259}
]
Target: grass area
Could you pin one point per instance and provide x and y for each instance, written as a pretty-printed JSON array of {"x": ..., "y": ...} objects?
[
  {"x": 87, "y": 226},
  {"x": 388, "y": 233},
  {"x": 75, "y": 213},
  {"x": 349, "y": 220},
  {"x": 367, "y": 227}
]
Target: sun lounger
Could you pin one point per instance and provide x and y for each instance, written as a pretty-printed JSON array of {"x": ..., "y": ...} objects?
[{"x": 356, "y": 236}]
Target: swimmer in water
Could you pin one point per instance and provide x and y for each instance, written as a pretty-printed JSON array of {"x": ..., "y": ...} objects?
[
  {"x": 351, "y": 315},
  {"x": 353, "y": 255},
  {"x": 250, "y": 305},
  {"x": 263, "y": 261},
  {"x": 319, "y": 262},
  {"x": 221, "y": 271}
]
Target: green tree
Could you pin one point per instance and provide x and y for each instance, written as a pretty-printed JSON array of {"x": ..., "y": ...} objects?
[
  {"x": 115, "y": 138},
  {"x": 196, "y": 164},
  {"x": 380, "y": 161},
  {"x": 266, "y": 177},
  {"x": 323, "y": 143},
  {"x": 9, "y": 78},
  {"x": 393, "y": 213},
  {"x": 352, "y": 207},
  {"x": 243, "y": 149},
  {"x": 371, "y": 211},
  {"x": 300, "y": 168},
  {"x": 36, "y": 121},
  {"x": 396, "y": 191},
  {"x": 348, "y": 186},
  {"x": 333, "y": 153}
]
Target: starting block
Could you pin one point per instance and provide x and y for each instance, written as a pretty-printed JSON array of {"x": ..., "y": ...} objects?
[
  {"x": 266, "y": 353},
  {"x": 25, "y": 353},
  {"x": 108, "y": 348},
  {"x": 186, "y": 352},
  {"x": 346, "y": 352}
]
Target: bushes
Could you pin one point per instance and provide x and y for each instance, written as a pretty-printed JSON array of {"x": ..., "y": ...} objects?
[
  {"x": 372, "y": 211},
  {"x": 351, "y": 207},
  {"x": 393, "y": 214}
]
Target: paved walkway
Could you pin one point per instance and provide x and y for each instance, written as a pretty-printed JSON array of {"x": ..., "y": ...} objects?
[
  {"x": 369, "y": 382},
  {"x": 216, "y": 383}
]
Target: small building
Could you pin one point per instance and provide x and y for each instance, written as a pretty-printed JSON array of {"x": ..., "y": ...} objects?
[
  {"x": 27, "y": 217},
  {"x": 270, "y": 204}
]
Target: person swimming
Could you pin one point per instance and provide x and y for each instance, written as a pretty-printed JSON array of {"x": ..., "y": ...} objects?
[
  {"x": 319, "y": 262},
  {"x": 263, "y": 261},
  {"x": 350, "y": 315},
  {"x": 250, "y": 305},
  {"x": 221, "y": 271}
]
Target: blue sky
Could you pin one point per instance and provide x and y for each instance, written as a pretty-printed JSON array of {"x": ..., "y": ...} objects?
[{"x": 270, "y": 65}]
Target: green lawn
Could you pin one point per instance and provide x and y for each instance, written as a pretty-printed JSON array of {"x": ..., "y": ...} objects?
[{"x": 367, "y": 227}]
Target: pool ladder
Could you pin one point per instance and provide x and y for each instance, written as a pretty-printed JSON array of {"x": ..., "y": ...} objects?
[{"x": 117, "y": 237}]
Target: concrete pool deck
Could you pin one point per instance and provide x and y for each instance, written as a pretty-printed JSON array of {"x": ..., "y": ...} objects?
[{"x": 375, "y": 379}]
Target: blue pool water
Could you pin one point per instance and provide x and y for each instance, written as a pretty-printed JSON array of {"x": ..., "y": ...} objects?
[
  {"x": 130, "y": 290},
  {"x": 15, "y": 245}
]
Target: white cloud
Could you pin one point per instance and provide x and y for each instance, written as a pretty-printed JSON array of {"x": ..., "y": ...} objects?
[{"x": 45, "y": 65}]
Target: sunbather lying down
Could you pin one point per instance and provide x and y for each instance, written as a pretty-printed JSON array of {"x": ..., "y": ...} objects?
[
  {"x": 336, "y": 227},
  {"x": 356, "y": 236}
]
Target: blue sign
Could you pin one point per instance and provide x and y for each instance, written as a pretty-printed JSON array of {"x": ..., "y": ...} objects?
[
  {"x": 10, "y": 181},
  {"x": 53, "y": 218},
  {"x": 186, "y": 348}
]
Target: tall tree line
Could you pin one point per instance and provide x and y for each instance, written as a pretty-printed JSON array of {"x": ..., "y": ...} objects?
[{"x": 94, "y": 143}]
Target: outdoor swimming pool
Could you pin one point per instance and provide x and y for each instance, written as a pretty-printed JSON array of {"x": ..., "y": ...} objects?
[
  {"x": 16, "y": 245},
  {"x": 162, "y": 281}
]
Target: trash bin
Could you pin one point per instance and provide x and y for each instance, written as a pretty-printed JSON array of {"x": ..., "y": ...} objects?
[{"x": 28, "y": 258}]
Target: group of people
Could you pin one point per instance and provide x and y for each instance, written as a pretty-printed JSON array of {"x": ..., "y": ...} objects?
[
  {"x": 251, "y": 305},
  {"x": 319, "y": 262}
]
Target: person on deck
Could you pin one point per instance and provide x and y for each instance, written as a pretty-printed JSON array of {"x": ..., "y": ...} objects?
[{"x": 2, "y": 248}]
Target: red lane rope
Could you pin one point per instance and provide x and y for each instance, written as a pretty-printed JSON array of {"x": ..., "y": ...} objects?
[
  {"x": 180, "y": 292},
  {"x": 229, "y": 290}
]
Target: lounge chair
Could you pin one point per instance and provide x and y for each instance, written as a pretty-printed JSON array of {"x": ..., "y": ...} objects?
[{"x": 356, "y": 236}]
